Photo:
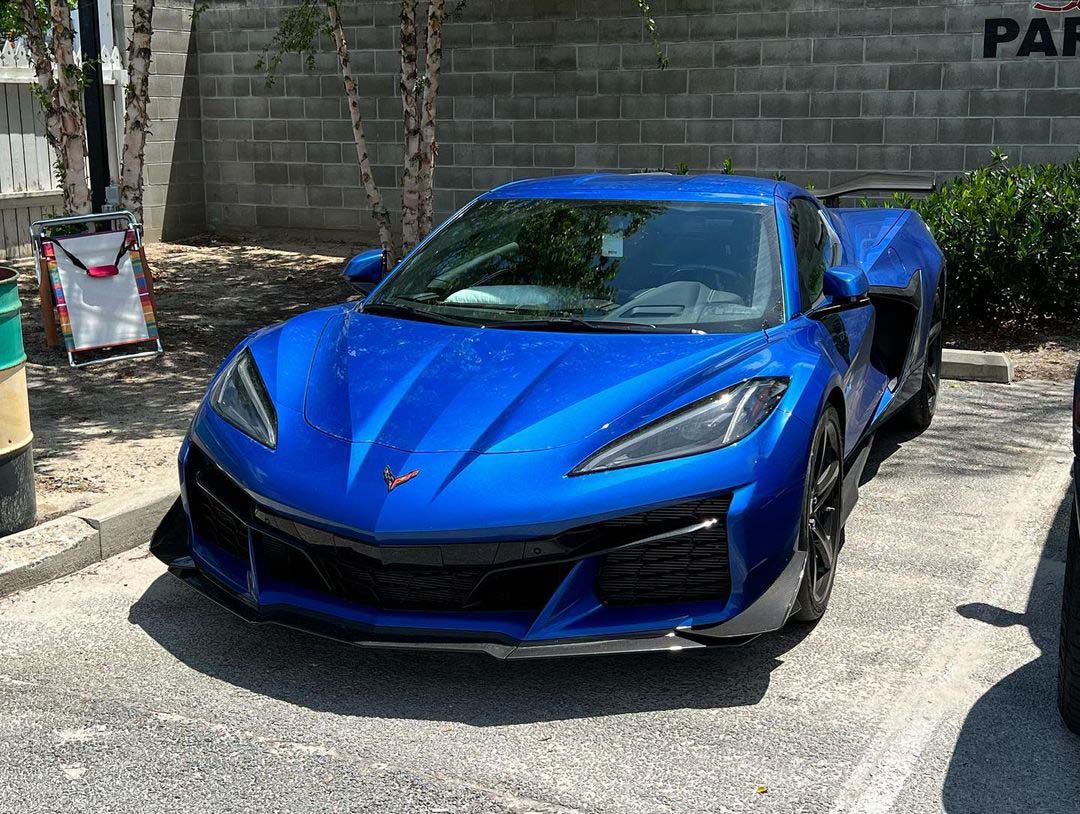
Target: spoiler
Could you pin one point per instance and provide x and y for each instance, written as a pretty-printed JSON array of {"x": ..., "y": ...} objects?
[{"x": 878, "y": 182}]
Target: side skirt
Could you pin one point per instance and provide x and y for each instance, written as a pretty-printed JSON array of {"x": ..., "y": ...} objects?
[{"x": 852, "y": 475}]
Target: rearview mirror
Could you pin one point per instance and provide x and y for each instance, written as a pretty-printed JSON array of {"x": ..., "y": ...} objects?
[
  {"x": 366, "y": 270},
  {"x": 846, "y": 283}
]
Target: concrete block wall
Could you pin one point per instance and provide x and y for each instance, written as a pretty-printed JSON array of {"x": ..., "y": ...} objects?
[
  {"x": 174, "y": 197},
  {"x": 815, "y": 89}
]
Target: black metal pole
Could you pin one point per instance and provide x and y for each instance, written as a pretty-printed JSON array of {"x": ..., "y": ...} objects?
[{"x": 97, "y": 139}]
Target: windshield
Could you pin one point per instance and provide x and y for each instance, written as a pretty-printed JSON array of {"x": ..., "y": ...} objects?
[{"x": 602, "y": 265}]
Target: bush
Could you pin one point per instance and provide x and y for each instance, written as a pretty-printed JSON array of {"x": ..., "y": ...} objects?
[{"x": 1011, "y": 238}]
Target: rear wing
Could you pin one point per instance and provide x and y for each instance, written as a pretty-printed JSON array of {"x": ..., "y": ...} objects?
[{"x": 877, "y": 182}]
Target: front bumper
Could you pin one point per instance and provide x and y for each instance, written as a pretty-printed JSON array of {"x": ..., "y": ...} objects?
[{"x": 172, "y": 543}]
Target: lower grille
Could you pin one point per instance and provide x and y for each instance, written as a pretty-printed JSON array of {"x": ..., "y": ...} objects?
[
  {"x": 359, "y": 579},
  {"x": 404, "y": 588},
  {"x": 679, "y": 569},
  {"x": 217, "y": 524},
  {"x": 690, "y": 568},
  {"x": 281, "y": 563}
]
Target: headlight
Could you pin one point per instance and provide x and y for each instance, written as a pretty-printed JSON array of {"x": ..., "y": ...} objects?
[
  {"x": 240, "y": 398},
  {"x": 709, "y": 423}
]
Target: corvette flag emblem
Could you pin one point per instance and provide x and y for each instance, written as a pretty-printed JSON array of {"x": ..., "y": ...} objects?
[{"x": 394, "y": 481}]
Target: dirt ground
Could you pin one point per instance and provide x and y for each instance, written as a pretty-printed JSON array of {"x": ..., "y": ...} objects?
[
  {"x": 105, "y": 430},
  {"x": 1050, "y": 352}
]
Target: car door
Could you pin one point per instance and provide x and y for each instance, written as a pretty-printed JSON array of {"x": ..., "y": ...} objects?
[{"x": 846, "y": 334}]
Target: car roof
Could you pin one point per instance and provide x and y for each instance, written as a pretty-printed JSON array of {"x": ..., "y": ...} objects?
[{"x": 654, "y": 186}]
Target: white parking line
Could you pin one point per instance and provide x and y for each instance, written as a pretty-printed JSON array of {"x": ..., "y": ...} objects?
[{"x": 944, "y": 688}]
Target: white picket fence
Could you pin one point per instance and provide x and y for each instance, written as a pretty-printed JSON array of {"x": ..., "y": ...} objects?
[{"x": 28, "y": 189}]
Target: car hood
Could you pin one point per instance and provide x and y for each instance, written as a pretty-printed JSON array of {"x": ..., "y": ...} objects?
[{"x": 424, "y": 387}]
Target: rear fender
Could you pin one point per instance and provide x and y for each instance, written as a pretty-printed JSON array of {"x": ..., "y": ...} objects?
[{"x": 905, "y": 268}]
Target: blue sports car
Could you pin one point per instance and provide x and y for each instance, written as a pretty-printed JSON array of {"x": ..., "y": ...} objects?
[{"x": 587, "y": 414}]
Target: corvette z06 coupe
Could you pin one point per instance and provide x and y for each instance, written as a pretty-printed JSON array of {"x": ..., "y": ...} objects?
[{"x": 587, "y": 414}]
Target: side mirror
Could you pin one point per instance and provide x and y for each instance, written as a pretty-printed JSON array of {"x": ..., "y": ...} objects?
[
  {"x": 366, "y": 270},
  {"x": 846, "y": 283}
]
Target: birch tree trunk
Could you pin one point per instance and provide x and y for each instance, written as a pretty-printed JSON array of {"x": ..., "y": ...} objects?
[
  {"x": 378, "y": 208},
  {"x": 410, "y": 193},
  {"x": 45, "y": 90},
  {"x": 136, "y": 97},
  {"x": 429, "y": 148},
  {"x": 71, "y": 152}
]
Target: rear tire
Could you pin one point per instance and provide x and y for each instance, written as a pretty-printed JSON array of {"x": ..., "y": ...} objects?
[
  {"x": 1069, "y": 645},
  {"x": 820, "y": 533},
  {"x": 918, "y": 413}
]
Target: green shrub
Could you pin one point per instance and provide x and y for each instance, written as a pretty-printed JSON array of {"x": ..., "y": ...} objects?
[{"x": 1011, "y": 238}]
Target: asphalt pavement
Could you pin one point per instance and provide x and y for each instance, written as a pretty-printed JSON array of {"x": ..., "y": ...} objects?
[{"x": 928, "y": 686}]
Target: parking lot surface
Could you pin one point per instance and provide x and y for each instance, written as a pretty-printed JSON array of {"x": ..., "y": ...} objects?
[{"x": 929, "y": 685}]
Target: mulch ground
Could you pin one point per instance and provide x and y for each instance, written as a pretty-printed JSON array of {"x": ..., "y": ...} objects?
[{"x": 1050, "y": 351}]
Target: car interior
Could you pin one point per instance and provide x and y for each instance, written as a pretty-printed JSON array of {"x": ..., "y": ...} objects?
[{"x": 689, "y": 266}]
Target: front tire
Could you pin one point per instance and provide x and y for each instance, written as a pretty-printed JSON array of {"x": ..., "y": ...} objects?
[
  {"x": 820, "y": 532},
  {"x": 1069, "y": 645}
]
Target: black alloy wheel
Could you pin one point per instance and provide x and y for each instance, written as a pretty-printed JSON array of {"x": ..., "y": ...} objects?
[
  {"x": 919, "y": 412},
  {"x": 821, "y": 534},
  {"x": 933, "y": 371}
]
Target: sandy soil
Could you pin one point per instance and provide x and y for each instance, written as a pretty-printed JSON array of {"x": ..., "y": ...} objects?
[{"x": 104, "y": 430}]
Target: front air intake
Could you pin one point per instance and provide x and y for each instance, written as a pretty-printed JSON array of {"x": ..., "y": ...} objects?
[{"x": 690, "y": 568}]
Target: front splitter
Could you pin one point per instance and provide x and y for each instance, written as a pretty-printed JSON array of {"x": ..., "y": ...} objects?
[{"x": 767, "y": 614}]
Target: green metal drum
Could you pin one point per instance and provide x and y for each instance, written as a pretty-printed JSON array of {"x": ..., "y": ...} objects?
[
  {"x": 18, "y": 503},
  {"x": 11, "y": 341}
]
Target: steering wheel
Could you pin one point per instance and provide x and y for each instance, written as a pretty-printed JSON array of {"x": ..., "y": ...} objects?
[{"x": 717, "y": 278}]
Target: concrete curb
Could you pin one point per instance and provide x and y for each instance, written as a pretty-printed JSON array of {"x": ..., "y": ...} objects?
[
  {"x": 74, "y": 541},
  {"x": 976, "y": 366}
]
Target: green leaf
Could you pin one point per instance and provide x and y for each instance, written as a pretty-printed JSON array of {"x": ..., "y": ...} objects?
[{"x": 1010, "y": 236}]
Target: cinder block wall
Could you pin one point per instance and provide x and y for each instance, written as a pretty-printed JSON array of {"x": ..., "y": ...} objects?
[
  {"x": 816, "y": 89},
  {"x": 174, "y": 197}
]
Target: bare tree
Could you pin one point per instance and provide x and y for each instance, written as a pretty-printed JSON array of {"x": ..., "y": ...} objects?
[
  {"x": 58, "y": 88},
  {"x": 409, "y": 85},
  {"x": 69, "y": 86},
  {"x": 378, "y": 209},
  {"x": 136, "y": 100},
  {"x": 59, "y": 85},
  {"x": 45, "y": 89},
  {"x": 429, "y": 148},
  {"x": 297, "y": 33}
]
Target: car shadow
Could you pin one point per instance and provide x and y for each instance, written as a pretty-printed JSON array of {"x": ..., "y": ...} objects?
[
  {"x": 949, "y": 448},
  {"x": 1014, "y": 753},
  {"x": 474, "y": 689},
  {"x": 887, "y": 442}
]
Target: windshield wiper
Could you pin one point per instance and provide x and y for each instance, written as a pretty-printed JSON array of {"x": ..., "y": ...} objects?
[
  {"x": 392, "y": 309},
  {"x": 591, "y": 325},
  {"x": 563, "y": 323}
]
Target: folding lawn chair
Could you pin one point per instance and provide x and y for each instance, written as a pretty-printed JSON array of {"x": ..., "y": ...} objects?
[{"x": 99, "y": 286}]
